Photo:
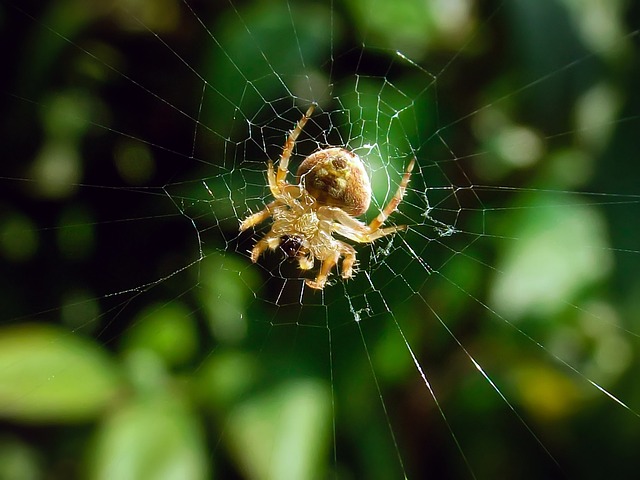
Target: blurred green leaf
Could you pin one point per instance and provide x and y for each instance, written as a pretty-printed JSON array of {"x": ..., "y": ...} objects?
[
  {"x": 284, "y": 433},
  {"x": 49, "y": 375},
  {"x": 153, "y": 438},
  {"x": 18, "y": 461},
  {"x": 544, "y": 392},
  {"x": 561, "y": 249},
  {"x": 18, "y": 238},
  {"x": 169, "y": 330},
  {"x": 225, "y": 377},
  {"x": 76, "y": 235},
  {"x": 383, "y": 18},
  {"x": 261, "y": 34},
  {"x": 226, "y": 288}
]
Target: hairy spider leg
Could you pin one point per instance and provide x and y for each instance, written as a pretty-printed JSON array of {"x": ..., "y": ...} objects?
[
  {"x": 344, "y": 250},
  {"x": 395, "y": 201},
  {"x": 283, "y": 165},
  {"x": 258, "y": 217},
  {"x": 278, "y": 191},
  {"x": 269, "y": 241},
  {"x": 266, "y": 212},
  {"x": 349, "y": 260},
  {"x": 357, "y": 231}
]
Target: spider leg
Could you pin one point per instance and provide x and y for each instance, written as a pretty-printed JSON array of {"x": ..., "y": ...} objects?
[
  {"x": 283, "y": 165},
  {"x": 395, "y": 201},
  {"x": 258, "y": 217},
  {"x": 271, "y": 178},
  {"x": 349, "y": 260},
  {"x": 325, "y": 270},
  {"x": 355, "y": 230},
  {"x": 279, "y": 189},
  {"x": 269, "y": 241},
  {"x": 360, "y": 233},
  {"x": 343, "y": 250},
  {"x": 305, "y": 262}
]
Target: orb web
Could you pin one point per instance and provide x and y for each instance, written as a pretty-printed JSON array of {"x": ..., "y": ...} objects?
[{"x": 492, "y": 308}]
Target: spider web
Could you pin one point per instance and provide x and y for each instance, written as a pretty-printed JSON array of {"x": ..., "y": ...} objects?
[{"x": 506, "y": 305}]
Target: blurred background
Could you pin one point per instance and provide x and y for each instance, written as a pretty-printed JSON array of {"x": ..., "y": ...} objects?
[{"x": 138, "y": 341}]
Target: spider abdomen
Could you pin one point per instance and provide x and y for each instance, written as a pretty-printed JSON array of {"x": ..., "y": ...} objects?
[{"x": 336, "y": 177}]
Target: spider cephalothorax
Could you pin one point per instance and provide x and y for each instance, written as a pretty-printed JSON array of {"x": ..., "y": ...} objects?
[{"x": 333, "y": 188}]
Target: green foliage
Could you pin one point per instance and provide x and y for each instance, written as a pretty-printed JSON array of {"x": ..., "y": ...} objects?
[
  {"x": 284, "y": 432},
  {"x": 154, "y": 437},
  {"x": 49, "y": 375},
  {"x": 166, "y": 330}
]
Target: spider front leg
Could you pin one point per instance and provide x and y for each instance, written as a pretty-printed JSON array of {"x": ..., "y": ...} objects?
[
  {"x": 269, "y": 241},
  {"x": 283, "y": 165},
  {"x": 258, "y": 217}
]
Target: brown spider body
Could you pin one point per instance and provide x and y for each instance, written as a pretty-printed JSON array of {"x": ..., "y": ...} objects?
[
  {"x": 336, "y": 177},
  {"x": 333, "y": 187}
]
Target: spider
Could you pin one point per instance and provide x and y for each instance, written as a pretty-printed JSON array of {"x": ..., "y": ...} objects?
[{"x": 333, "y": 189}]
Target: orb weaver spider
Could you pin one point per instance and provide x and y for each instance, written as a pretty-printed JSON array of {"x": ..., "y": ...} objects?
[{"x": 333, "y": 189}]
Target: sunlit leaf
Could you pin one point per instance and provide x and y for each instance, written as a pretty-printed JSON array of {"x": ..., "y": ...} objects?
[
  {"x": 167, "y": 330},
  {"x": 284, "y": 433},
  {"x": 153, "y": 438},
  {"x": 49, "y": 375},
  {"x": 560, "y": 251}
]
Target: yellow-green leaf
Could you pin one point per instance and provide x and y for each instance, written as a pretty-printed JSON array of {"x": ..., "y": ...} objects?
[{"x": 48, "y": 374}]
